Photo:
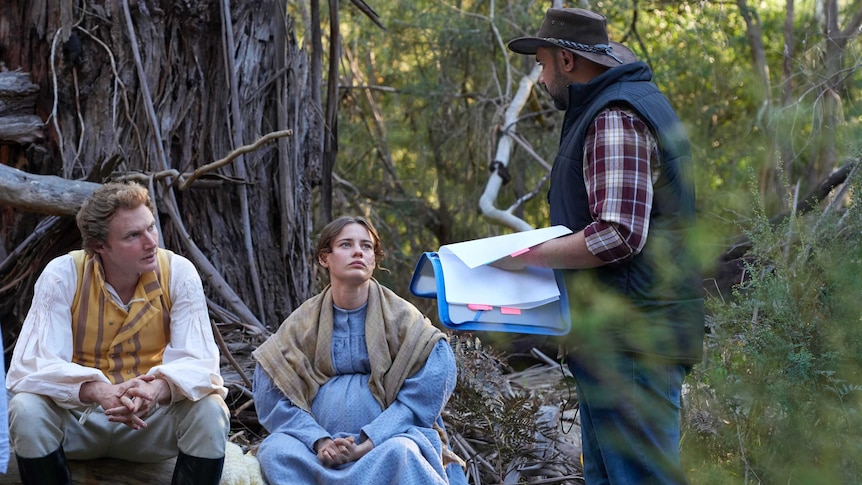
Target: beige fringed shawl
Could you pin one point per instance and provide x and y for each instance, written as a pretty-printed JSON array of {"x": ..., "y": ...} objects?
[{"x": 298, "y": 356}]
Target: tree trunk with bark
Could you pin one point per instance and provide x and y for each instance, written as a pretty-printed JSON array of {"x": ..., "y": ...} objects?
[{"x": 157, "y": 92}]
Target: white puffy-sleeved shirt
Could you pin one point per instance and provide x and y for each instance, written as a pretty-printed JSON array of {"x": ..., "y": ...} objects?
[{"x": 42, "y": 360}]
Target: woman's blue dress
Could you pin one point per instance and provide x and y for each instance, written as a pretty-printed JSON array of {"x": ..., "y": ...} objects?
[{"x": 407, "y": 450}]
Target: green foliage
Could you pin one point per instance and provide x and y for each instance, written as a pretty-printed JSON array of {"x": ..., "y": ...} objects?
[
  {"x": 500, "y": 423},
  {"x": 778, "y": 400}
]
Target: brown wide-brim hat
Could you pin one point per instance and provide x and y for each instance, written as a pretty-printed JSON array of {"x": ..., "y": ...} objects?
[{"x": 579, "y": 31}]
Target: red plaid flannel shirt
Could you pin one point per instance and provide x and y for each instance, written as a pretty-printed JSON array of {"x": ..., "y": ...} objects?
[{"x": 621, "y": 164}]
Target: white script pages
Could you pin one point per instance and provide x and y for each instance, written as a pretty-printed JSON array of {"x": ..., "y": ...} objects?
[{"x": 481, "y": 297}]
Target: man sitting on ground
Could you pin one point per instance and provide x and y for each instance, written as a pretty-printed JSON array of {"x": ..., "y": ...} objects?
[{"x": 116, "y": 357}]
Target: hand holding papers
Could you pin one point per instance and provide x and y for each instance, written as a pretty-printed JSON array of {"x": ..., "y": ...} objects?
[
  {"x": 479, "y": 252},
  {"x": 475, "y": 296},
  {"x": 471, "y": 280}
]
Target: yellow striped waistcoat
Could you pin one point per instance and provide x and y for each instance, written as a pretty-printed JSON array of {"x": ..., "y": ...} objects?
[{"x": 105, "y": 336}]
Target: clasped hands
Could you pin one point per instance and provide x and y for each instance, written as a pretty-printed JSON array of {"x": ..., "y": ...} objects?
[
  {"x": 338, "y": 451},
  {"x": 128, "y": 402}
]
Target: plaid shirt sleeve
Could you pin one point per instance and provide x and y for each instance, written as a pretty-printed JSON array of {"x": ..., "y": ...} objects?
[{"x": 621, "y": 164}]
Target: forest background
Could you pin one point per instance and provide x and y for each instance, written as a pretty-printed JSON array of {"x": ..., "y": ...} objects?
[{"x": 429, "y": 126}]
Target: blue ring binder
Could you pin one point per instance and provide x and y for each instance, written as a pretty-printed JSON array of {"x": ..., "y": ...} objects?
[{"x": 548, "y": 319}]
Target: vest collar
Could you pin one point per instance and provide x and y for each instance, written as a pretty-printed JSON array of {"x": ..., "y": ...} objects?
[
  {"x": 147, "y": 290},
  {"x": 582, "y": 94}
]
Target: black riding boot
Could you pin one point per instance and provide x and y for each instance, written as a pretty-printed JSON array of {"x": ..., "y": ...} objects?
[
  {"x": 47, "y": 470},
  {"x": 191, "y": 470}
]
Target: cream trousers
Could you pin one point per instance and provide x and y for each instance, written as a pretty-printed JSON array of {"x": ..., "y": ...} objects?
[{"x": 38, "y": 427}]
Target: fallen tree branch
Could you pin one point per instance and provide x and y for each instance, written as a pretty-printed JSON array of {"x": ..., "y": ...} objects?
[
  {"x": 228, "y": 355},
  {"x": 743, "y": 244},
  {"x": 58, "y": 196},
  {"x": 43, "y": 194},
  {"x": 232, "y": 155},
  {"x": 229, "y": 317}
]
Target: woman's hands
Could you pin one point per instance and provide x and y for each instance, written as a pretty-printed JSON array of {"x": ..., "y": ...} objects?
[{"x": 333, "y": 453}]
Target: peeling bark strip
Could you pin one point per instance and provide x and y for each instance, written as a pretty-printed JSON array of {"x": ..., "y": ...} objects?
[
  {"x": 17, "y": 90},
  {"x": 21, "y": 129},
  {"x": 18, "y": 123}
]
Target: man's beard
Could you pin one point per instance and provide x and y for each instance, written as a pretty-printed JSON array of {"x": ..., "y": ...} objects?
[{"x": 559, "y": 93}]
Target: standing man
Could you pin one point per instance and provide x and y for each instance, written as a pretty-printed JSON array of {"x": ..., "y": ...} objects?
[
  {"x": 622, "y": 182},
  {"x": 116, "y": 357}
]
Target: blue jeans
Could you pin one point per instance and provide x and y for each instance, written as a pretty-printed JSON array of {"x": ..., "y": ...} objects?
[{"x": 629, "y": 410}]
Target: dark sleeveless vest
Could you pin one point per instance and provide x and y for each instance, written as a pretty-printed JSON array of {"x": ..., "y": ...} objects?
[{"x": 656, "y": 295}]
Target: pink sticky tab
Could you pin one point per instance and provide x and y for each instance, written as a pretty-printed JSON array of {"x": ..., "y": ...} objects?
[
  {"x": 477, "y": 307},
  {"x": 505, "y": 310},
  {"x": 518, "y": 253}
]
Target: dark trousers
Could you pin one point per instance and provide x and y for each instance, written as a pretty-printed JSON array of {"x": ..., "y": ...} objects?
[{"x": 630, "y": 422}]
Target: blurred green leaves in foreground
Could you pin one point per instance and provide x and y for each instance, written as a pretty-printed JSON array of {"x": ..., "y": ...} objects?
[{"x": 779, "y": 397}]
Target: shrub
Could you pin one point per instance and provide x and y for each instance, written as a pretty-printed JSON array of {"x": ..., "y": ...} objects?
[{"x": 778, "y": 398}]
